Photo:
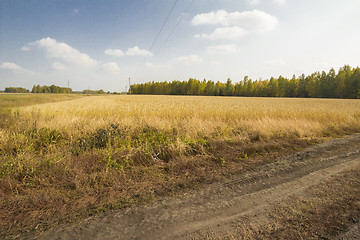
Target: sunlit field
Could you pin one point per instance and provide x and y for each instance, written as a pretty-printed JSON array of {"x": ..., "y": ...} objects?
[
  {"x": 102, "y": 152},
  {"x": 195, "y": 117}
]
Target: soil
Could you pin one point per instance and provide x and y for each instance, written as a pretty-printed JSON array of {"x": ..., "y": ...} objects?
[{"x": 218, "y": 207}]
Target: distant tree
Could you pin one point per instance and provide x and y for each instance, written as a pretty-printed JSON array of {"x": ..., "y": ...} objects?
[
  {"x": 311, "y": 85},
  {"x": 50, "y": 89},
  {"x": 292, "y": 87},
  {"x": 230, "y": 88},
  {"x": 209, "y": 89},
  {"x": 356, "y": 83},
  {"x": 283, "y": 86},
  {"x": 16, "y": 90},
  {"x": 273, "y": 87},
  {"x": 331, "y": 86},
  {"x": 345, "y": 84}
]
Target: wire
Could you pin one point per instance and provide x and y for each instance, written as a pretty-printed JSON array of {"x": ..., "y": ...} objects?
[
  {"x": 167, "y": 18},
  {"x": 157, "y": 36},
  {"x": 173, "y": 30}
]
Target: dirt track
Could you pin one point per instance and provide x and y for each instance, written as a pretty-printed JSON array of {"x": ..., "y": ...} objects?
[{"x": 218, "y": 207}]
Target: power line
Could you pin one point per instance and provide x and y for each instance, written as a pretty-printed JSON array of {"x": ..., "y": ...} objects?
[
  {"x": 167, "y": 18},
  {"x": 177, "y": 23},
  {"x": 157, "y": 36}
]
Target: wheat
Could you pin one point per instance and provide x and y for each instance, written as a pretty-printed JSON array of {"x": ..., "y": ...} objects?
[{"x": 199, "y": 115}]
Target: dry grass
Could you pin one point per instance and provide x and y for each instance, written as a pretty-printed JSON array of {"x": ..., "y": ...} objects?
[
  {"x": 192, "y": 116},
  {"x": 73, "y": 158},
  {"x": 8, "y": 101}
]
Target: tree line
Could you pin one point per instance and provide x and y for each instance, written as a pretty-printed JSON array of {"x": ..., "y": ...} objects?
[
  {"x": 16, "y": 90},
  {"x": 50, "y": 89},
  {"x": 53, "y": 89},
  {"x": 344, "y": 84}
]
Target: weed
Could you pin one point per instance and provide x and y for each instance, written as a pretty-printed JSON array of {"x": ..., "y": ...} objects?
[{"x": 101, "y": 152}]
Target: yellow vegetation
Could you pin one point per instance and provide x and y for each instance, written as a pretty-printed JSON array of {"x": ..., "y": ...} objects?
[
  {"x": 61, "y": 160},
  {"x": 209, "y": 116}
]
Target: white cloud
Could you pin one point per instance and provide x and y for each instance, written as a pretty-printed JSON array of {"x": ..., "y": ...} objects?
[
  {"x": 10, "y": 66},
  {"x": 254, "y": 20},
  {"x": 220, "y": 49},
  {"x": 114, "y": 52},
  {"x": 25, "y": 49},
  {"x": 135, "y": 51},
  {"x": 231, "y": 33},
  {"x": 279, "y": 2},
  {"x": 189, "y": 59},
  {"x": 111, "y": 67},
  {"x": 14, "y": 68},
  {"x": 218, "y": 17},
  {"x": 64, "y": 52},
  {"x": 76, "y": 11},
  {"x": 254, "y": 2},
  {"x": 58, "y": 66}
]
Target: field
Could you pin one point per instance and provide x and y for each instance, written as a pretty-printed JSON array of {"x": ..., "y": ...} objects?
[{"x": 71, "y": 156}]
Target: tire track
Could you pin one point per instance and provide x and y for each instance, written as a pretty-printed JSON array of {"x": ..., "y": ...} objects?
[{"x": 218, "y": 206}]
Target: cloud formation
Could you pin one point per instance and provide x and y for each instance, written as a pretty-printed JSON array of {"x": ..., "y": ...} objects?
[
  {"x": 10, "y": 66},
  {"x": 189, "y": 59},
  {"x": 58, "y": 66},
  {"x": 231, "y": 33},
  {"x": 67, "y": 54},
  {"x": 234, "y": 25},
  {"x": 254, "y": 20},
  {"x": 111, "y": 67},
  {"x": 14, "y": 68},
  {"x": 135, "y": 51}
]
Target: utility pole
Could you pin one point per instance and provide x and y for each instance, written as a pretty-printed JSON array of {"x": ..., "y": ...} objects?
[
  {"x": 129, "y": 86},
  {"x": 68, "y": 84}
]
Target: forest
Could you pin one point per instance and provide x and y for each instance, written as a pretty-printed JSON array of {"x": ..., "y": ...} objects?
[
  {"x": 16, "y": 90},
  {"x": 50, "y": 89},
  {"x": 343, "y": 84}
]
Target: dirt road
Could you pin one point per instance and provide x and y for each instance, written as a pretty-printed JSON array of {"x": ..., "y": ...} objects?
[{"x": 218, "y": 206}]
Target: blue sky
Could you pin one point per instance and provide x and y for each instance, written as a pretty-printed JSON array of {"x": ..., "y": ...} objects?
[{"x": 101, "y": 43}]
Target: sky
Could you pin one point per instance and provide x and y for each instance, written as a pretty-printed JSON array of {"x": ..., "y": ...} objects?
[{"x": 100, "y": 44}]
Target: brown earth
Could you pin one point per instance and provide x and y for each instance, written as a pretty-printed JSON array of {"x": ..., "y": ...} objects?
[{"x": 218, "y": 207}]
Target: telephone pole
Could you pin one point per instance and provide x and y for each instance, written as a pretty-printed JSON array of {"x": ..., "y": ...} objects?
[{"x": 129, "y": 86}]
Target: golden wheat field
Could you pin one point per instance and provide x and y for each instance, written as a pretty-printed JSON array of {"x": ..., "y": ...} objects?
[
  {"x": 66, "y": 157},
  {"x": 191, "y": 116}
]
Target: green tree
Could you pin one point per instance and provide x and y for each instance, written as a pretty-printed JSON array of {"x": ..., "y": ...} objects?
[
  {"x": 230, "y": 89},
  {"x": 209, "y": 89},
  {"x": 34, "y": 89},
  {"x": 273, "y": 88}
]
